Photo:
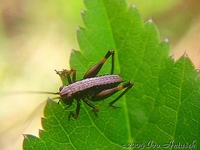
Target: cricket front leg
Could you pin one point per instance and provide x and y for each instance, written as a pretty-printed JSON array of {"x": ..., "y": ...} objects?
[
  {"x": 65, "y": 74},
  {"x": 92, "y": 72},
  {"x": 75, "y": 115}
]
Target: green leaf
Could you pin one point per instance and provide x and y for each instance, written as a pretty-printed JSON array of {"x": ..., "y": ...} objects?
[{"x": 160, "y": 110}]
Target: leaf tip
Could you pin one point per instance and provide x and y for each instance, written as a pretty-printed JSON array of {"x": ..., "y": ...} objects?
[
  {"x": 185, "y": 54},
  {"x": 133, "y": 5},
  {"x": 77, "y": 28},
  {"x": 172, "y": 56},
  {"x": 25, "y": 136},
  {"x": 150, "y": 20},
  {"x": 82, "y": 11},
  {"x": 198, "y": 71},
  {"x": 166, "y": 40},
  {"x": 49, "y": 100},
  {"x": 40, "y": 131},
  {"x": 73, "y": 51}
]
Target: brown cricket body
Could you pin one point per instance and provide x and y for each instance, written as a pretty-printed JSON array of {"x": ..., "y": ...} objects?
[{"x": 90, "y": 85}]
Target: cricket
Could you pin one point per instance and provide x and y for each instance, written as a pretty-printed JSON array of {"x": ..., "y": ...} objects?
[{"x": 92, "y": 87}]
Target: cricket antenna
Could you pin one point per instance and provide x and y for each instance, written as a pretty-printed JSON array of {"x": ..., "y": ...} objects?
[{"x": 28, "y": 92}]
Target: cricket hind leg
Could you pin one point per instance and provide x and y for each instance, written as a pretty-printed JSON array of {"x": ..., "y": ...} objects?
[
  {"x": 107, "y": 93},
  {"x": 127, "y": 87},
  {"x": 93, "y": 71}
]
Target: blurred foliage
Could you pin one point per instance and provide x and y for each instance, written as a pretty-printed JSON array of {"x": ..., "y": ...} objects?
[
  {"x": 154, "y": 109},
  {"x": 29, "y": 29},
  {"x": 173, "y": 17}
]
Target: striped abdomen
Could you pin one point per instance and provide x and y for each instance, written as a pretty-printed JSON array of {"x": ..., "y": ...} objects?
[{"x": 82, "y": 86}]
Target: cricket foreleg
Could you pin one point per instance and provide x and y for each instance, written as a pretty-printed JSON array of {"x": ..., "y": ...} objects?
[
  {"x": 92, "y": 72},
  {"x": 107, "y": 93},
  {"x": 75, "y": 115},
  {"x": 66, "y": 74}
]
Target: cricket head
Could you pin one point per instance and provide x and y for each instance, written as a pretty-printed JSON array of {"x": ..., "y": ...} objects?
[{"x": 66, "y": 95}]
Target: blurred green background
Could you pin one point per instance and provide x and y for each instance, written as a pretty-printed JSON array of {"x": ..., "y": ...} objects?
[{"x": 36, "y": 37}]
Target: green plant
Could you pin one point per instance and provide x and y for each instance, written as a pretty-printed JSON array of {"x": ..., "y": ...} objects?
[{"x": 162, "y": 106}]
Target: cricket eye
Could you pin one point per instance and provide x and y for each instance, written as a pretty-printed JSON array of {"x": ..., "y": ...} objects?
[{"x": 61, "y": 88}]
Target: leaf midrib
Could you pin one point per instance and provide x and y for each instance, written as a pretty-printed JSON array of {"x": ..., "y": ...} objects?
[{"x": 116, "y": 56}]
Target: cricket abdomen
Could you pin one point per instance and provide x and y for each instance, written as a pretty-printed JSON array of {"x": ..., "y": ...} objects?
[{"x": 82, "y": 86}]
